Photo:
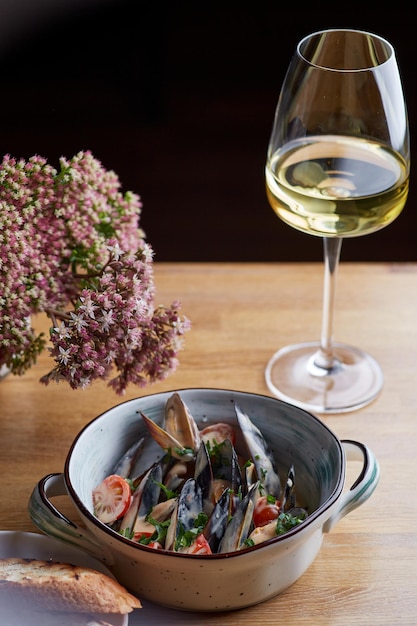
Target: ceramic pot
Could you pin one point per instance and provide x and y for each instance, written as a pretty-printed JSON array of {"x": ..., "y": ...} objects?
[{"x": 216, "y": 582}]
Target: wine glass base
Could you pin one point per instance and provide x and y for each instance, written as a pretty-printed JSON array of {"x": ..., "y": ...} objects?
[{"x": 355, "y": 380}]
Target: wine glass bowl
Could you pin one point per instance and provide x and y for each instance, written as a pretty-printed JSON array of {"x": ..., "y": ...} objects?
[
  {"x": 337, "y": 167},
  {"x": 337, "y": 186}
]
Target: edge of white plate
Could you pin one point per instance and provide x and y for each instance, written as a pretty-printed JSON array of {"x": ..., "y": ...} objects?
[{"x": 36, "y": 546}]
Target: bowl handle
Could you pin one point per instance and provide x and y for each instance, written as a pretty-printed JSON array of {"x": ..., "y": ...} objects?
[
  {"x": 364, "y": 485},
  {"x": 55, "y": 524}
]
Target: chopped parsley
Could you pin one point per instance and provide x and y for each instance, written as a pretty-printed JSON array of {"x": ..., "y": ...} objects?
[{"x": 286, "y": 521}]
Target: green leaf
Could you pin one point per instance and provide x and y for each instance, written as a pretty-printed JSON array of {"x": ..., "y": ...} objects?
[{"x": 286, "y": 521}]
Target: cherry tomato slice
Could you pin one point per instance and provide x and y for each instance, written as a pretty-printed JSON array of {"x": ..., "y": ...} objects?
[
  {"x": 265, "y": 511},
  {"x": 218, "y": 432},
  {"x": 199, "y": 546},
  {"x": 141, "y": 534},
  {"x": 111, "y": 499}
]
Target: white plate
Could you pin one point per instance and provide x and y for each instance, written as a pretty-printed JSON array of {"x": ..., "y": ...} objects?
[{"x": 36, "y": 546}]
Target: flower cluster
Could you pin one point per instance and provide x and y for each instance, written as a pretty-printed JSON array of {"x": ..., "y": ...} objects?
[{"x": 71, "y": 246}]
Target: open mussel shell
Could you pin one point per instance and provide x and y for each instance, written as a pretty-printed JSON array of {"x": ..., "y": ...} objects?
[
  {"x": 188, "y": 507},
  {"x": 167, "y": 441},
  {"x": 218, "y": 520},
  {"x": 203, "y": 474},
  {"x": 145, "y": 497},
  {"x": 179, "y": 434},
  {"x": 240, "y": 525},
  {"x": 260, "y": 454},
  {"x": 180, "y": 424}
]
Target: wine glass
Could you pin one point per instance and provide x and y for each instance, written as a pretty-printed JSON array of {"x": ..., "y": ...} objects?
[{"x": 338, "y": 166}]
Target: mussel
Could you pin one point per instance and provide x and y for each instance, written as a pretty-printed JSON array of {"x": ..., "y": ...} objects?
[{"x": 203, "y": 491}]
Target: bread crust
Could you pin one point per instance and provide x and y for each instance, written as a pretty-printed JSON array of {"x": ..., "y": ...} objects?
[{"x": 57, "y": 586}]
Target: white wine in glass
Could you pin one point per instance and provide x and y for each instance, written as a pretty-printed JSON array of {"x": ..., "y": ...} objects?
[{"x": 338, "y": 166}]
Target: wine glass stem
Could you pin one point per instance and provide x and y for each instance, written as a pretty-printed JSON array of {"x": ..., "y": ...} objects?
[{"x": 324, "y": 358}]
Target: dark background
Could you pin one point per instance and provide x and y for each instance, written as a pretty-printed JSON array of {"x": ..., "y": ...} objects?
[{"x": 178, "y": 99}]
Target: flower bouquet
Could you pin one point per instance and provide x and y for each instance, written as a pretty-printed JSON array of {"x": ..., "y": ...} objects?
[{"x": 71, "y": 247}]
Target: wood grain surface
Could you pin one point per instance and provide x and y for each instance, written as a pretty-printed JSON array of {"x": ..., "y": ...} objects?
[{"x": 366, "y": 571}]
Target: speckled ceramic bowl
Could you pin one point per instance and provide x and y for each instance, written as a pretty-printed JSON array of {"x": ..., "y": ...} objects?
[{"x": 209, "y": 582}]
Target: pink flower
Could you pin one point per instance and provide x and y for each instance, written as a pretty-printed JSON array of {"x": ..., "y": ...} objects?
[{"x": 71, "y": 246}]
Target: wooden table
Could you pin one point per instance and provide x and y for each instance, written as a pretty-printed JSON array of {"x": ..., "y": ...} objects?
[{"x": 366, "y": 571}]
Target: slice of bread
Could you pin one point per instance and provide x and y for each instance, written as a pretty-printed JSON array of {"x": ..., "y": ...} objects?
[{"x": 61, "y": 587}]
